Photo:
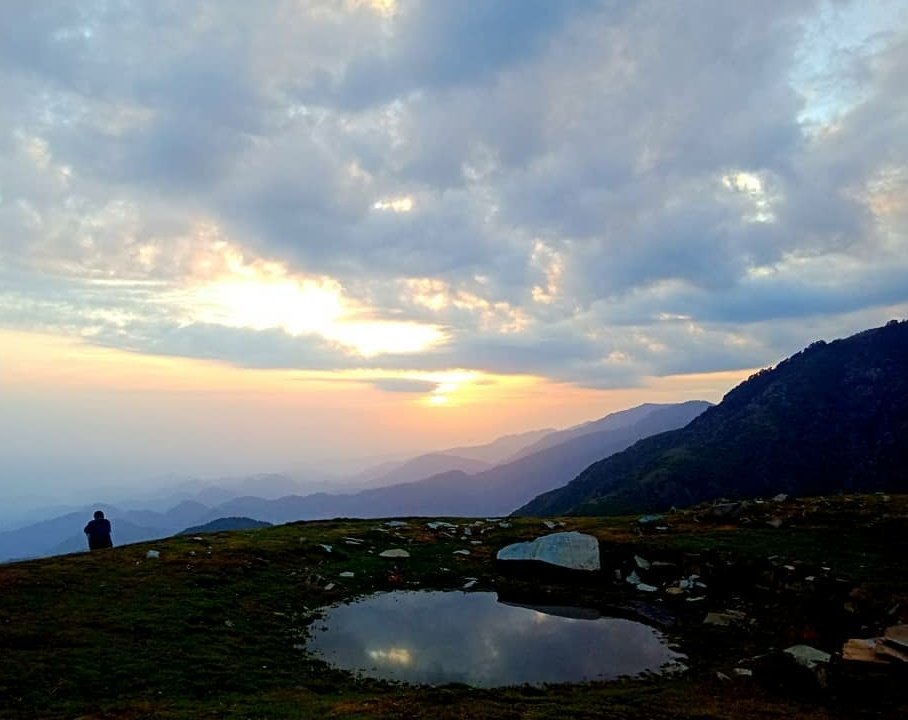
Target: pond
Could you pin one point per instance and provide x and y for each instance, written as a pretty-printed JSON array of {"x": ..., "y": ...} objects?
[{"x": 434, "y": 638}]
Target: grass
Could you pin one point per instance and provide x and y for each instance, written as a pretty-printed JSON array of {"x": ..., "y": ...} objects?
[{"x": 208, "y": 629}]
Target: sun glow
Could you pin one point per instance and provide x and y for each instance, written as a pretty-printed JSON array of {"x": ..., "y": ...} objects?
[{"x": 232, "y": 291}]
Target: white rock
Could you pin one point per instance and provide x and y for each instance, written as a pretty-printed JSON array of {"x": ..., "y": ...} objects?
[
  {"x": 573, "y": 550},
  {"x": 807, "y": 656},
  {"x": 329, "y": 586},
  {"x": 643, "y": 587},
  {"x": 152, "y": 554},
  {"x": 394, "y": 553},
  {"x": 327, "y": 548},
  {"x": 346, "y": 574},
  {"x": 439, "y": 525},
  {"x": 633, "y": 578},
  {"x": 461, "y": 552},
  {"x": 642, "y": 563},
  {"x": 549, "y": 524},
  {"x": 396, "y": 523},
  {"x": 469, "y": 584}
]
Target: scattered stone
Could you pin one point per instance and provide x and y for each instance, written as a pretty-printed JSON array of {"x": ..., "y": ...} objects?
[
  {"x": 467, "y": 531},
  {"x": 504, "y": 525},
  {"x": 439, "y": 525},
  {"x": 470, "y": 583},
  {"x": 397, "y": 524},
  {"x": 549, "y": 524},
  {"x": 643, "y": 587},
  {"x": 650, "y": 519},
  {"x": 346, "y": 574},
  {"x": 327, "y": 548},
  {"x": 461, "y": 552},
  {"x": 633, "y": 578},
  {"x": 722, "y": 676},
  {"x": 475, "y": 542},
  {"x": 152, "y": 554},
  {"x": 807, "y": 657},
  {"x": 198, "y": 539},
  {"x": 329, "y": 586},
  {"x": 743, "y": 672},
  {"x": 724, "y": 619},
  {"x": 394, "y": 553},
  {"x": 897, "y": 635},
  {"x": 228, "y": 623},
  {"x": 674, "y": 591},
  {"x": 781, "y": 497},
  {"x": 573, "y": 550},
  {"x": 775, "y": 522},
  {"x": 642, "y": 563}
]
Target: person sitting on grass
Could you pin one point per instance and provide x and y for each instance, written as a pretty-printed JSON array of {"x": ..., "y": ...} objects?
[{"x": 98, "y": 531}]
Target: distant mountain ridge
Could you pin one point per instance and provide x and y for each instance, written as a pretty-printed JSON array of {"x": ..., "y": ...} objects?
[
  {"x": 496, "y": 491},
  {"x": 831, "y": 418},
  {"x": 451, "y": 485}
]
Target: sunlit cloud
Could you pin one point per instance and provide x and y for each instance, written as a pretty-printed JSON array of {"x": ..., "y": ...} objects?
[
  {"x": 392, "y": 656},
  {"x": 752, "y": 186},
  {"x": 402, "y": 204},
  {"x": 255, "y": 294}
]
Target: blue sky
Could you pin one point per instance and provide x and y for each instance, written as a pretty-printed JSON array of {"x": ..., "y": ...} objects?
[{"x": 430, "y": 201}]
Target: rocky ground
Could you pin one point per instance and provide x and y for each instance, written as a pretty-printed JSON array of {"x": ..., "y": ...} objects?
[{"x": 762, "y": 597}]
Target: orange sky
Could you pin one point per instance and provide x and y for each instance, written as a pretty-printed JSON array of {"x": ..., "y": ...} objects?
[{"x": 180, "y": 414}]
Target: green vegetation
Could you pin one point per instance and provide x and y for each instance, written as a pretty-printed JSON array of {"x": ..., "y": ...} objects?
[
  {"x": 212, "y": 627},
  {"x": 831, "y": 418}
]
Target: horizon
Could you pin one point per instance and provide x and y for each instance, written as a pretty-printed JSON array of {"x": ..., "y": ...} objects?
[{"x": 241, "y": 240}]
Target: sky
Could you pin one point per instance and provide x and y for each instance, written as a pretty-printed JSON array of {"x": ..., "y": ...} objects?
[{"x": 250, "y": 237}]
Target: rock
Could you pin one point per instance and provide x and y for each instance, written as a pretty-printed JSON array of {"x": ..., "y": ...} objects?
[
  {"x": 470, "y": 583},
  {"x": 650, "y": 519},
  {"x": 439, "y": 525},
  {"x": 642, "y": 563},
  {"x": 329, "y": 586},
  {"x": 397, "y": 524},
  {"x": 326, "y": 548},
  {"x": 743, "y": 672},
  {"x": 549, "y": 524},
  {"x": 775, "y": 522},
  {"x": 781, "y": 497},
  {"x": 643, "y": 587},
  {"x": 674, "y": 591},
  {"x": 897, "y": 635},
  {"x": 504, "y": 525},
  {"x": 346, "y": 574},
  {"x": 461, "y": 552},
  {"x": 633, "y": 578},
  {"x": 807, "y": 657},
  {"x": 394, "y": 553},
  {"x": 152, "y": 554},
  {"x": 573, "y": 550},
  {"x": 724, "y": 619}
]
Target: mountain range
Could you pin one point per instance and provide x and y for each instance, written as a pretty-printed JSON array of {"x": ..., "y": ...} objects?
[
  {"x": 461, "y": 481},
  {"x": 832, "y": 418}
]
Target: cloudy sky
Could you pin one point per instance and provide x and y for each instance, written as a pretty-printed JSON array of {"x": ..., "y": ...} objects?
[{"x": 242, "y": 236}]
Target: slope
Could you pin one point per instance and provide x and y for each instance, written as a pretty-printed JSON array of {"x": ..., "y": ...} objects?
[{"x": 831, "y": 418}]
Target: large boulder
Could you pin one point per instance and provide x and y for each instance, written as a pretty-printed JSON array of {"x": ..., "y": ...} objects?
[{"x": 572, "y": 550}]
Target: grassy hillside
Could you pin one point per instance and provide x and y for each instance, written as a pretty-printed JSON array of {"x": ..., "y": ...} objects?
[
  {"x": 832, "y": 418},
  {"x": 212, "y": 628}
]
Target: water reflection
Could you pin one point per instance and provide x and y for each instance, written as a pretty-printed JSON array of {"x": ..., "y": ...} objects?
[{"x": 443, "y": 637}]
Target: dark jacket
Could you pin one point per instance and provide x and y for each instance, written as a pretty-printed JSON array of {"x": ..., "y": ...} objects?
[{"x": 98, "y": 532}]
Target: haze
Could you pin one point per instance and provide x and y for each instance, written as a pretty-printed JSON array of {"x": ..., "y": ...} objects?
[{"x": 243, "y": 237}]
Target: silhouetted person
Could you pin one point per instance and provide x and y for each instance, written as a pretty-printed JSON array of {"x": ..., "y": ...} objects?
[{"x": 98, "y": 531}]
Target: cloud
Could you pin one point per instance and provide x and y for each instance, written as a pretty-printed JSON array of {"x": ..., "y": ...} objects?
[
  {"x": 588, "y": 191},
  {"x": 403, "y": 385}
]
